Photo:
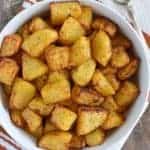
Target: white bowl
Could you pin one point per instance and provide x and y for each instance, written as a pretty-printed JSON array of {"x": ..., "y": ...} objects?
[{"x": 143, "y": 76}]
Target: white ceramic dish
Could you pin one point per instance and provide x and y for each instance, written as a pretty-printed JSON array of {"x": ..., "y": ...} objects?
[{"x": 143, "y": 76}]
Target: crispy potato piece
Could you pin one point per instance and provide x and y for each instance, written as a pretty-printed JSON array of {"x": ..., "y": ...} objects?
[
  {"x": 60, "y": 11},
  {"x": 56, "y": 91},
  {"x": 41, "y": 81},
  {"x": 126, "y": 94},
  {"x": 119, "y": 57},
  {"x": 121, "y": 40},
  {"x": 37, "y": 133},
  {"x": 129, "y": 70},
  {"x": 37, "y": 104},
  {"x": 101, "y": 46},
  {"x": 101, "y": 84},
  {"x": 32, "y": 119},
  {"x": 92, "y": 35},
  {"x": 63, "y": 118},
  {"x": 17, "y": 119},
  {"x": 95, "y": 138},
  {"x": 7, "y": 89},
  {"x": 80, "y": 51},
  {"x": 86, "y": 17},
  {"x": 8, "y": 70},
  {"x": 22, "y": 93},
  {"x": 83, "y": 73},
  {"x": 71, "y": 31},
  {"x": 36, "y": 24},
  {"x": 49, "y": 126},
  {"x": 108, "y": 70},
  {"x": 55, "y": 140},
  {"x": 90, "y": 118},
  {"x": 115, "y": 83},
  {"x": 110, "y": 104},
  {"x": 105, "y": 25},
  {"x": 32, "y": 68},
  {"x": 35, "y": 44},
  {"x": 57, "y": 57},
  {"x": 86, "y": 96},
  {"x": 114, "y": 120},
  {"x": 77, "y": 142},
  {"x": 10, "y": 45},
  {"x": 24, "y": 31}
]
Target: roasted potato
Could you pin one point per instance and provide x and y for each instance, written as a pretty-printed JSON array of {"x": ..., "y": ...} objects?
[
  {"x": 17, "y": 118},
  {"x": 37, "y": 104},
  {"x": 56, "y": 91},
  {"x": 119, "y": 57},
  {"x": 95, "y": 138},
  {"x": 32, "y": 119},
  {"x": 86, "y": 96},
  {"x": 129, "y": 70},
  {"x": 63, "y": 118},
  {"x": 90, "y": 118},
  {"x": 114, "y": 120},
  {"x": 80, "y": 51},
  {"x": 21, "y": 95},
  {"x": 57, "y": 57},
  {"x": 83, "y": 73},
  {"x": 101, "y": 48},
  {"x": 101, "y": 84},
  {"x": 86, "y": 17},
  {"x": 55, "y": 140},
  {"x": 7, "y": 89},
  {"x": 37, "y": 24},
  {"x": 35, "y": 44},
  {"x": 110, "y": 104},
  {"x": 10, "y": 45},
  {"x": 37, "y": 133},
  {"x": 77, "y": 142},
  {"x": 126, "y": 94},
  {"x": 24, "y": 31},
  {"x": 32, "y": 68},
  {"x": 49, "y": 126},
  {"x": 108, "y": 70},
  {"x": 8, "y": 70},
  {"x": 70, "y": 31}
]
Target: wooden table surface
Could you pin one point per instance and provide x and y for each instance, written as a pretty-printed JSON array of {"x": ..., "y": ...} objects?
[{"x": 140, "y": 137}]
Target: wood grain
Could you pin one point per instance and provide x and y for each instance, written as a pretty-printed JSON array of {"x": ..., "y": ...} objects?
[{"x": 140, "y": 138}]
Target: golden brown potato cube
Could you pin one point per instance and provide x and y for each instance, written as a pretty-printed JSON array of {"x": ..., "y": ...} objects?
[
  {"x": 126, "y": 94},
  {"x": 17, "y": 119},
  {"x": 95, "y": 138},
  {"x": 129, "y": 70},
  {"x": 36, "y": 24},
  {"x": 57, "y": 57},
  {"x": 37, "y": 104},
  {"x": 110, "y": 104},
  {"x": 10, "y": 45},
  {"x": 83, "y": 73},
  {"x": 56, "y": 92},
  {"x": 101, "y": 84},
  {"x": 92, "y": 35},
  {"x": 113, "y": 120},
  {"x": 35, "y": 44},
  {"x": 77, "y": 142},
  {"x": 7, "y": 89},
  {"x": 101, "y": 48},
  {"x": 115, "y": 83},
  {"x": 60, "y": 11},
  {"x": 105, "y": 24},
  {"x": 8, "y": 70},
  {"x": 32, "y": 119},
  {"x": 80, "y": 51},
  {"x": 86, "y": 96},
  {"x": 32, "y": 68},
  {"x": 119, "y": 57},
  {"x": 86, "y": 17},
  {"x": 121, "y": 40},
  {"x": 71, "y": 31},
  {"x": 90, "y": 118},
  {"x": 49, "y": 126},
  {"x": 108, "y": 70},
  {"x": 24, "y": 31},
  {"x": 63, "y": 118},
  {"x": 22, "y": 93},
  {"x": 55, "y": 140},
  {"x": 37, "y": 133}
]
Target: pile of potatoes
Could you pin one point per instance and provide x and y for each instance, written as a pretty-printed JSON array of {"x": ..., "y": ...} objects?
[{"x": 68, "y": 77}]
